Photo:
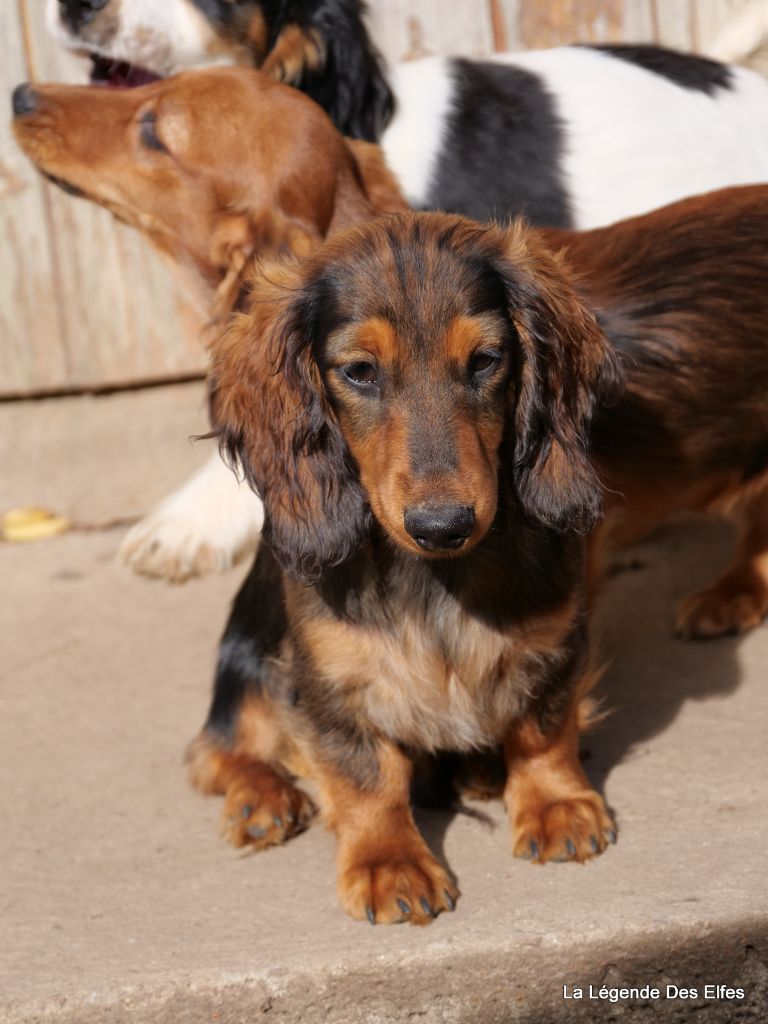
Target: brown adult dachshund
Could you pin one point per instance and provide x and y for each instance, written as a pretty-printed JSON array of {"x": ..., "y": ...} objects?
[
  {"x": 682, "y": 294},
  {"x": 218, "y": 166}
]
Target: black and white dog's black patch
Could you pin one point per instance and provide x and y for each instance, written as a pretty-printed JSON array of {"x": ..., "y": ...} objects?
[
  {"x": 685, "y": 69},
  {"x": 575, "y": 136},
  {"x": 503, "y": 140}
]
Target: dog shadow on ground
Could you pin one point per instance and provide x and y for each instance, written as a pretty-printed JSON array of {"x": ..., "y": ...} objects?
[{"x": 650, "y": 674}]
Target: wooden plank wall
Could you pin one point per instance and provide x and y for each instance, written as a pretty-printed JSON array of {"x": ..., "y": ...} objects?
[
  {"x": 408, "y": 28},
  {"x": 85, "y": 304}
]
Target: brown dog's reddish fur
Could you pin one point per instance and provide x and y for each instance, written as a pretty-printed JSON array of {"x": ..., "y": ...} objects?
[{"x": 682, "y": 294}]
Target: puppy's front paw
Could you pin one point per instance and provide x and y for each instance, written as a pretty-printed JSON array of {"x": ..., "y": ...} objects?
[
  {"x": 263, "y": 809},
  {"x": 398, "y": 885},
  {"x": 736, "y": 603},
  {"x": 547, "y": 828}
]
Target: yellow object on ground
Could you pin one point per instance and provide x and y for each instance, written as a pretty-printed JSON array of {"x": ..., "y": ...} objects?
[{"x": 27, "y": 524}]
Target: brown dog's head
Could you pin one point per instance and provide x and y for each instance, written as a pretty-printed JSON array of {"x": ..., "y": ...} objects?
[
  {"x": 212, "y": 165},
  {"x": 406, "y": 368}
]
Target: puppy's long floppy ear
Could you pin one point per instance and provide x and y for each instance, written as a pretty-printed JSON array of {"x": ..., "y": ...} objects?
[
  {"x": 324, "y": 49},
  {"x": 273, "y": 417},
  {"x": 567, "y": 367}
]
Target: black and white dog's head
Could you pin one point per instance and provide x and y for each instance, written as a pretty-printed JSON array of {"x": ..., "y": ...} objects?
[{"x": 320, "y": 46}]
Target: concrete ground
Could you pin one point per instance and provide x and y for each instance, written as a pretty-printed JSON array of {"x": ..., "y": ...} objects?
[{"x": 118, "y": 902}]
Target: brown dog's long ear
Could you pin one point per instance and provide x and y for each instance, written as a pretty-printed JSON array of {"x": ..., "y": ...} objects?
[
  {"x": 270, "y": 408},
  {"x": 381, "y": 186},
  {"x": 567, "y": 366},
  {"x": 236, "y": 239}
]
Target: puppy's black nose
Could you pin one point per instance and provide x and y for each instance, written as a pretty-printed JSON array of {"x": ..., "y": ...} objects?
[
  {"x": 440, "y": 527},
  {"x": 23, "y": 100},
  {"x": 75, "y": 13}
]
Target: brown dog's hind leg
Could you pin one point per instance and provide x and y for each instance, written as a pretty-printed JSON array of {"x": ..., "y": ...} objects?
[
  {"x": 385, "y": 871},
  {"x": 262, "y": 806},
  {"x": 738, "y": 600},
  {"x": 554, "y": 812}
]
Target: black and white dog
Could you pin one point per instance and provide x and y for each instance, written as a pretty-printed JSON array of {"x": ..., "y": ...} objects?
[{"x": 575, "y": 136}]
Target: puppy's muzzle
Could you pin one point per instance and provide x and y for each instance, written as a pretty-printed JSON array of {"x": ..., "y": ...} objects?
[{"x": 439, "y": 527}]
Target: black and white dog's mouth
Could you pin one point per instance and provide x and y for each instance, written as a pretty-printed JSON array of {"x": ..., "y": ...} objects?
[{"x": 118, "y": 74}]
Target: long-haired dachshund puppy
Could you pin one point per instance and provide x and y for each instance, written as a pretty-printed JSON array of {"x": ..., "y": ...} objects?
[
  {"x": 573, "y": 136},
  {"x": 413, "y": 404},
  {"x": 216, "y": 168}
]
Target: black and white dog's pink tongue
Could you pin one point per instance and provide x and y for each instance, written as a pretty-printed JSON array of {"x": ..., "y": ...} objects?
[{"x": 118, "y": 74}]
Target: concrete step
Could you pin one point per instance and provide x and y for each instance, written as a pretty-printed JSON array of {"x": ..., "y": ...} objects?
[{"x": 119, "y": 903}]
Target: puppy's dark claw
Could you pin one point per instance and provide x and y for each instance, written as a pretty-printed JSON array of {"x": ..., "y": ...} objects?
[
  {"x": 426, "y": 907},
  {"x": 404, "y": 908},
  {"x": 371, "y": 914},
  {"x": 246, "y": 810},
  {"x": 570, "y": 847},
  {"x": 256, "y": 832},
  {"x": 450, "y": 901}
]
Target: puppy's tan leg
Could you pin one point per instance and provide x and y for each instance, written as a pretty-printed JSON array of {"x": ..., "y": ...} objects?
[
  {"x": 554, "y": 812},
  {"x": 385, "y": 871},
  {"x": 738, "y": 600},
  {"x": 262, "y": 807}
]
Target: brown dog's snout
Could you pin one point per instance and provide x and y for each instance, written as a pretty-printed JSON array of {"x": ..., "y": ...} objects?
[
  {"x": 439, "y": 527},
  {"x": 24, "y": 100}
]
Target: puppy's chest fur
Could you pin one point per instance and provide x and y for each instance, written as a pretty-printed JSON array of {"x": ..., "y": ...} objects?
[{"x": 431, "y": 662}]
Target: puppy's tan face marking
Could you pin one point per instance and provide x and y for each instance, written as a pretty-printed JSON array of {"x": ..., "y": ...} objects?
[{"x": 424, "y": 419}]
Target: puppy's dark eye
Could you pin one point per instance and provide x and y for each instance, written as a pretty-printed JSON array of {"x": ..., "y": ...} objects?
[
  {"x": 362, "y": 374},
  {"x": 482, "y": 364},
  {"x": 148, "y": 132}
]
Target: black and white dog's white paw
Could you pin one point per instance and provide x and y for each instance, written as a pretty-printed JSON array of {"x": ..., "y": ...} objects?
[{"x": 206, "y": 526}]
